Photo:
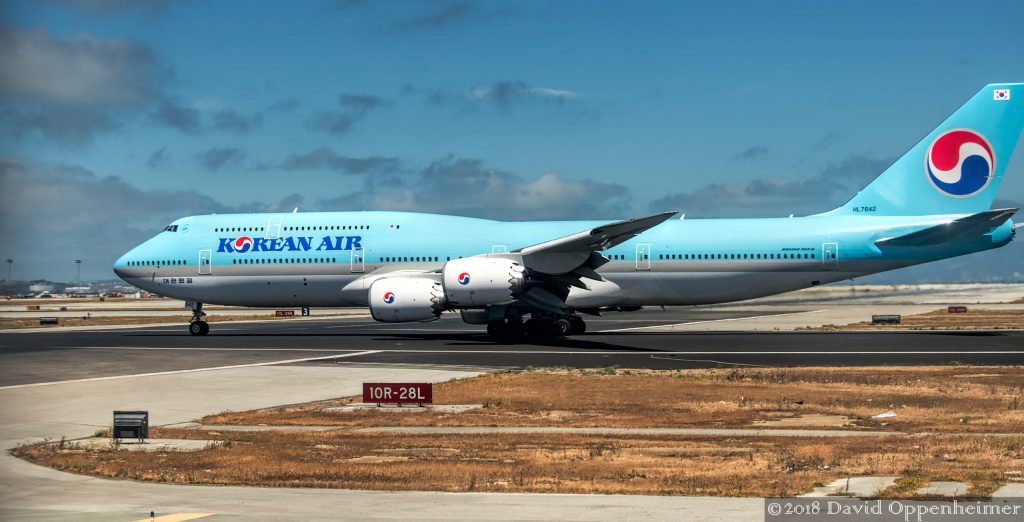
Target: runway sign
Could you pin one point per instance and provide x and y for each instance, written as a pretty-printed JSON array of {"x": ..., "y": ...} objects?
[
  {"x": 957, "y": 309},
  {"x": 397, "y": 393},
  {"x": 284, "y": 313},
  {"x": 885, "y": 319}
]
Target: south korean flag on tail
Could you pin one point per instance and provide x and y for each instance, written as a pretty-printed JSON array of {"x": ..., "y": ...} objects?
[{"x": 1001, "y": 94}]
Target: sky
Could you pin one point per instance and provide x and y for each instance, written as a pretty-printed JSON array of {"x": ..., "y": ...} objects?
[{"x": 119, "y": 116}]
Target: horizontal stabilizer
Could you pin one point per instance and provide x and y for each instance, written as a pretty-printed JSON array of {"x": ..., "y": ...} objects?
[{"x": 957, "y": 229}]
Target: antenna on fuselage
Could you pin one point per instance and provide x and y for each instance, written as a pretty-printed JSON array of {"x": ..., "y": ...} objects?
[{"x": 296, "y": 210}]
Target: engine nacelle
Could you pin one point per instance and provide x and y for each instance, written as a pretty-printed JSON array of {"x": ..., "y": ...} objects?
[
  {"x": 406, "y": 299},
  {"x": 481, "y": 281}
]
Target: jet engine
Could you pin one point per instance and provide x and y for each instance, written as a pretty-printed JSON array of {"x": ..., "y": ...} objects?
[
  {"x": 482, "y": 281},
  {"x": 405, "y": 299}
]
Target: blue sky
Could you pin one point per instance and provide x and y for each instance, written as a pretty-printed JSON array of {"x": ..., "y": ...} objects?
[{"x": 120, "y": 115}]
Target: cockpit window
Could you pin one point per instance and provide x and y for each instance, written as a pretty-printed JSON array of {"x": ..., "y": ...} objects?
[{"x": 171, "y": 228}]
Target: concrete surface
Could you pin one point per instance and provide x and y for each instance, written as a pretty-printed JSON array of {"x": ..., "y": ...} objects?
[
  {"x": 1013, "y": 489},
  {"x": 853, "y": 487},
  {"x": 104, "y": 443},
  {"x": 46, "y": 492},
  {"x": 715, "y": 432},
  {"x": 255, "y": 427},
  {"x": 945, "y": 488}
]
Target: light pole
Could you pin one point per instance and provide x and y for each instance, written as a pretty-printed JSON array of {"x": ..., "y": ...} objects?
[
  {"x": 78, "y": 272},
  {"x": 10, "y": 263}
]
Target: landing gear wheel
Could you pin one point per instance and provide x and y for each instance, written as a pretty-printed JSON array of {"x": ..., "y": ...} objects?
[
  {"x": 198, "y": 328},
  {"x": 578, "y": 326},
  {"x": 536, "y": 328},
  {"x": 561, "y": 327},
  {"x": 497, "y": 329}
]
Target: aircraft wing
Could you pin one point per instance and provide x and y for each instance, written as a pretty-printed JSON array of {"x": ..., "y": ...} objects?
[
  {"x": 557, "y": 264},
  {"x": 599, "y": 238},
  {"x": 564, "y": 262},
  {"x": 961, "y": 228}
]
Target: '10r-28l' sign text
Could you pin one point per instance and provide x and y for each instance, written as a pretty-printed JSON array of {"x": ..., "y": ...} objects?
[{"x": 397, "y": 393}]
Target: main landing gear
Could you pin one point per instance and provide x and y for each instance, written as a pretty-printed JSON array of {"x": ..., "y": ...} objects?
[
  {"x": 537, "y": 327},
  {"x": 198, "y": 326}
]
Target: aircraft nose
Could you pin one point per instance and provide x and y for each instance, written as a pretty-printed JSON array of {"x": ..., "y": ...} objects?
[{"x": 119, "y": 267}]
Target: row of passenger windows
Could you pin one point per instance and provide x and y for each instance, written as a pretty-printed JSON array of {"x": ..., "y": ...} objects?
[
  {"x": 735, "y": 256},
  {"x": 283, "y": 261},
  {"x": 421, "y": 259},
  {"x": 277, "y": 261},
  {"x": 416, "y": 259},
  {"x": 296, "y": 229},
  {"x": 171, "y": 262}
]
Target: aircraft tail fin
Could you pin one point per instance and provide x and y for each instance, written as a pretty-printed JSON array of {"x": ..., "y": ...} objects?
[{"x": 956, "y": 168}]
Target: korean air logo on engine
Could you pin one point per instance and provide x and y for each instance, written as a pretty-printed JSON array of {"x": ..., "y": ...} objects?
[
  {"x": 389, "y": 297},
  {"x": 464, "y": 278},
  {"x": 243, "y": 244},
  {"x": 960, "y": 163}
]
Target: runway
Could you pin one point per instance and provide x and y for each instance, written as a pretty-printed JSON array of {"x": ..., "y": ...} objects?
[{"x": 643, "y": 339}]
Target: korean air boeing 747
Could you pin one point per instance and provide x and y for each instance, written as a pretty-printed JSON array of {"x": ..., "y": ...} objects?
[{"x": 537, "y": 277}]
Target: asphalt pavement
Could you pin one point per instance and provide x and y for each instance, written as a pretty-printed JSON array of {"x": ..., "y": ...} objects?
[{"x": 626, "y": 339}]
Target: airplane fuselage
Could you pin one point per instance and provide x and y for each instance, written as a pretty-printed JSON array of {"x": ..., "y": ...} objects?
[{"x": 329, "y": 258}]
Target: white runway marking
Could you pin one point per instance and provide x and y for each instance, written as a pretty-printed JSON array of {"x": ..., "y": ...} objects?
[
  {"x": 653, "y": 352},
  {"x": 711, "y": 321},
  {"x": 208, "y": 349},
  {"x": 667, "y": 353},
  {"x": 172, "y": 372}
]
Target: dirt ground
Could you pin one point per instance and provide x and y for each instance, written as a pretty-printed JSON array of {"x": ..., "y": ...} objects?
[
  {"x": 954, "y": 421},
  {"x": 941, "y": 319}
]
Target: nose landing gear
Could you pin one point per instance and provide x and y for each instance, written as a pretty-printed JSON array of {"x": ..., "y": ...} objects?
[{"x": 198, "y": 326}]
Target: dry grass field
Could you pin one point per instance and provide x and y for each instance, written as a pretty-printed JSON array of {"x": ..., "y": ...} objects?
[
  {"x": 947, "y": 399},
  {"x": 948, "y": 415},
  {"x": 982, "y": 319}
]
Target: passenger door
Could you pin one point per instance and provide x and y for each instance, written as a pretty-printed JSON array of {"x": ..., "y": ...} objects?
[
  {"x": 830, "y": 256},
  {"x": 205, "y": 262},
  {"x": 358, "y": 261},
  {"x": 274, "y": 227},
  {"x": 643, "y": 256}
]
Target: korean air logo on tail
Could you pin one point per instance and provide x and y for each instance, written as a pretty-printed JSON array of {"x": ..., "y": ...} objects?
[
  {"x": 243, "y": 244},
  {"x": 960, "y": 163},
  {"x": 389, "y": 297},
  {"x": 464, "y": 278}
]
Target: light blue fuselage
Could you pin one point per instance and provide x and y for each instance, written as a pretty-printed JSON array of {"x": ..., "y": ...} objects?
[{"x": 318, "y": 259}]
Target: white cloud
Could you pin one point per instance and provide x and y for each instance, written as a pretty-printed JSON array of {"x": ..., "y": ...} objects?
[
  {"x": 556, "y": 93},
  {"x": 81, "y": 71}
]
